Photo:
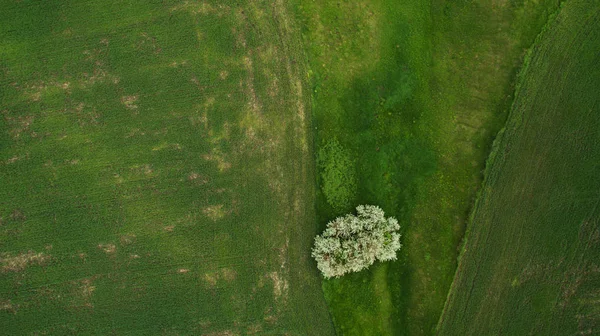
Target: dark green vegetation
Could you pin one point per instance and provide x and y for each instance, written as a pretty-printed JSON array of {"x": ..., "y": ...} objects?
[
  {"x": 338, "y": 174},
  {"x": 416, "y": 91},
  {"x": 530, "y": 265},
  {"x": 155, "y": 170}
]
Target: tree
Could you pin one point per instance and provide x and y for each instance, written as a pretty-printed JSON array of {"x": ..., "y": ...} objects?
[{"x": 352, "y": 243}]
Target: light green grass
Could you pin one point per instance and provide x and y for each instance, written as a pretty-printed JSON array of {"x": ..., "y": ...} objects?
[
  {"x": 155, "y": 170},
  {"x": 530, "y": 262},
  {"x": 416, "y": 91}
]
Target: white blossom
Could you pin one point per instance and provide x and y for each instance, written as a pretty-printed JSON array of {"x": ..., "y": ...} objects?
[{"x": 352, "y": 243}]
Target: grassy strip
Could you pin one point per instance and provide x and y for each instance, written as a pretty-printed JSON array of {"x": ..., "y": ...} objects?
[
  {"x": 415, "y": 91},
  {"x": 533, "y": 242}
]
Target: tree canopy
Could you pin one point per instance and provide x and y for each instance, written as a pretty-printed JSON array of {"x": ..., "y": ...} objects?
[{"x": 352, "y": 243}]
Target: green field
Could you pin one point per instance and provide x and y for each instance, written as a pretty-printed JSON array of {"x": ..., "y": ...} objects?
[
  {"x": 416, "y": 92},
  {"x": 530, "y": 265},
  {"x": 165, "y": 165},
  {"x": 156, "y": 170}
]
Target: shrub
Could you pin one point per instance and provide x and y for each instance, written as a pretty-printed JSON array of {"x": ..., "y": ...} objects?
[
  {"x": 352, "y": 243},
  {"x": 338, "y": 176}
]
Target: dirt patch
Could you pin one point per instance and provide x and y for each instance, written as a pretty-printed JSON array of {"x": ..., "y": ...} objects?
[
  {"x": 19, "y": 125},
  {"x": 224, "y": 74},
  {"x": 222, "y": 333},
  {"x": 7, "y": 305},
  {"x": 201, "y": 8},
  {"x": 197, "y": 178},
  {"x": 280, "y": 286},
  {"x": 108, "y": 248},
  {"x": 171, "y": 146},
  {"x": 214, "y": 212},
  {"x": 177, "y": 64},
  {"x": 99, "y": 74},
  {"x": 16, "y": 158},
  {"x": 225, "y": 274},
  {"x": 81, "y": 293},
  {"x": 18, "y": 263},
  {"x": 127, "y": 239},
  {"x": 17, "y": 215},
  {"x": 218, "y": 157},
  {"x": 142, "y": 169},
  {"x": 211, "y": 279},
  {"x": 254, "y": 329},
  {"x": 134, "y": 132},
  {"x": 228, "y": 274},
  {"x": 130, "y": 102}
]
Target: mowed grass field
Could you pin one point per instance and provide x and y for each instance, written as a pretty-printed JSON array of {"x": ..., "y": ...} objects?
[
  {"x": 530, "y": 265},
  {"x": 414, "y": 92},
  {"x": 155, "y": 170}
]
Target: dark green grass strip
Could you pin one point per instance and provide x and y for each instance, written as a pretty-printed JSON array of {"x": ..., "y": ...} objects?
[{"x": 530, "y": 263}]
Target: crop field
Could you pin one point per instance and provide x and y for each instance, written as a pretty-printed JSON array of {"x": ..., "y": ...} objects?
[
  {"x": 414, "y": 93},
  {"x": 531, "y": 262},
  {"x": 156, "y": 174}
]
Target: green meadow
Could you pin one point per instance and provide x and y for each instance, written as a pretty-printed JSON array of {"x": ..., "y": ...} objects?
[
  {"x": 155, "y": 169},
  {"x": 530, "y": 262},
  {"x": 416, "y": 92}
]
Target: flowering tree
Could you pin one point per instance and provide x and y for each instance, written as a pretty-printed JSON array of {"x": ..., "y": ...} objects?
[{"x": 352, "y": 243}]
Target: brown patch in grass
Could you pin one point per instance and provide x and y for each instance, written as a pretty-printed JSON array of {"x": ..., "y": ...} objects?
[
  {"x": 253, "y": 329},
  {"x": 176, "y": 64},
  {"x": 19, "y": 125},
  {"x": 224, "y": 74},
  {"x": 173, "y": 146},
  {"x": 16, "y": 158},
  {"x": 169, "y": 228},
  {"x": 127, "y": 239},
  {"x": 183, "y": 270},
  {"x": 219, "y": 158},
  {"x": 130, "y": 102},
  {"x": 20, "y": 262},
  {"x": 147, "y": 43},
  {"x": 222, "y": 333},
  {"x": 197, "y": 178},
  {"x": 214, "y": 212},
  {"x": 201, "y": 8},
  {"x": 17, "y": 215},
  {"x": 211, "y": 279},
  {"x": 108, "y": 248},
  {"x": 280, "y": 286},
  {"x": 135, "y": 132},
  {"x": 8, "y": 306},
  {"x": 81, "y": 293},
  {"x": 143, "y": 169},
  {"x": 228, "y": 274}
]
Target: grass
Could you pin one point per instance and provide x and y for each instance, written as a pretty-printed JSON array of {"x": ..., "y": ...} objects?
[
  {"x": 416, "y": 91},
  {"x": 530, "y": 262},
  {"x": 155, "y": 169}
]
